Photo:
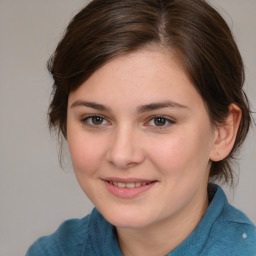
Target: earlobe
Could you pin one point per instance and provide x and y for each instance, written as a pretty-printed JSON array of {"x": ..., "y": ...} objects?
[{"x": 225, "y": 134}]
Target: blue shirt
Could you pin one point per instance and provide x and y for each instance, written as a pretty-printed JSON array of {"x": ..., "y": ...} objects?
[{"x": 224, "y": 231}]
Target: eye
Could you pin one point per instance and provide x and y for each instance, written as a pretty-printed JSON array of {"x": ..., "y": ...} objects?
[
  {"x": 160, "y": 121},
  {"x": 94, "y": 120}
]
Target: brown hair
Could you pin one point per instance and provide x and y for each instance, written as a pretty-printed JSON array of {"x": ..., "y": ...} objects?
[{"x": 191, "y": 28}]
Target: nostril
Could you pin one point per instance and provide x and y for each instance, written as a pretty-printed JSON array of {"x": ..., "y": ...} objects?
[{"x": 124, "y": 152}]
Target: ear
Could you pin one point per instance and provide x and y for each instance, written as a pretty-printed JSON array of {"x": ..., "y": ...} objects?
[{"x": 225, "y": 134}]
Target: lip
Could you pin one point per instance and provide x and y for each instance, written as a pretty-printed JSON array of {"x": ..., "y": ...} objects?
[{"x": 128, "y": 193}]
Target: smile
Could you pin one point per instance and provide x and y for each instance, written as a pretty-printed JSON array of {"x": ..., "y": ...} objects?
[
  {"x": 128, "y": 188},
  {"x": 128, "y": 185}
]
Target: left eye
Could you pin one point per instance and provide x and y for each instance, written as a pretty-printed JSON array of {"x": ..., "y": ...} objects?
[{"x": 160, "y": 121}]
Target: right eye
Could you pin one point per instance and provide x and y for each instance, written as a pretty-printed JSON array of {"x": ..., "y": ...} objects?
[{"x": 94, "y": 120}]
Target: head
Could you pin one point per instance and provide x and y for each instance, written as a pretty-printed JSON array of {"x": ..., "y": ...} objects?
[{"x": 189, "y": 30}]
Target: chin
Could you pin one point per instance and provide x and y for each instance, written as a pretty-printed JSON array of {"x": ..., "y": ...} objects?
[{"x": 131, "y": 218}]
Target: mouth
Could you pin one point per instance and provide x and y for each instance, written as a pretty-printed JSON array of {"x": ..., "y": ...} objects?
[
  {"x": 128, "y": 188},
  {"x": 129, "y": 184}
]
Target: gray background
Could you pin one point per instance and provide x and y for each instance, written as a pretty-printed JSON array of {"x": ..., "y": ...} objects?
[{"x": 36, "y": 195}]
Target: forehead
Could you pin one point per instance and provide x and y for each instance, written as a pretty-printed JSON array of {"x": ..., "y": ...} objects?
[{"x": 142, "y": 76}]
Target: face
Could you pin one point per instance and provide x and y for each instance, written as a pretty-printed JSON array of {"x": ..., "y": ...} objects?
[{"x": 140, "y": 140}]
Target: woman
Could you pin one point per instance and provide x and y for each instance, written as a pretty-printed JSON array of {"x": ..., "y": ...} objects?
[{"x": 148, "y": 95}]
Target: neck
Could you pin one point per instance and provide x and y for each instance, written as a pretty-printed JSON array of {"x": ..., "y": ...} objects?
[{"x": 162, "y": 237}]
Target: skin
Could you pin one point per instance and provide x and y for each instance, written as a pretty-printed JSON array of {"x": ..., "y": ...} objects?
[{"x": 128, "y": 141}]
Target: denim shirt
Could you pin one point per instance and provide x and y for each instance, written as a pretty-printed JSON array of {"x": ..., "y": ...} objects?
[{"x": 223, "y": 230}]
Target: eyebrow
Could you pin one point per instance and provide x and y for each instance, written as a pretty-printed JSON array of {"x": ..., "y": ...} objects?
[
  {"x": 159, "y": 105},
  {"x": 90, "y": 105},
  {"x": 140, "y": 109}
]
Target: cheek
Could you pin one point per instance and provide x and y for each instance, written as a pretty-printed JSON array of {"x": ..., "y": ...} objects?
[
  {"x": 183, "y": 154},
  {"x": 86, "y": 154}
]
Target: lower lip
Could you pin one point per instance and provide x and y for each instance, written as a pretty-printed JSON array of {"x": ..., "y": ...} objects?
[{"x": 128, "y": 193}]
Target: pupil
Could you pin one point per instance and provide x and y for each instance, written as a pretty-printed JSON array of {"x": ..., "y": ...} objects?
[
  {"x": 97, "y": 120},
  {"x": 160, "y": 121}
]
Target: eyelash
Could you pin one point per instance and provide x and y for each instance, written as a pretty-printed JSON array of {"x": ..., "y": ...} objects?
[
  {"x": 86, "y": 121},
  {"x": 167, "y": 121}
]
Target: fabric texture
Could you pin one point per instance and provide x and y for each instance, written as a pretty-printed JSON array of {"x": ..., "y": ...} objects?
[{"x": 224, "y": 230}]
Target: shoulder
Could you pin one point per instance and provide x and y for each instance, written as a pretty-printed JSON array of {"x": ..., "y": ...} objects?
[
  {"x": 233, "y": 236},
  {"x": 232, "y": 232},
  {"x": 68, "y": 239},
  {"x": 92, "y": 235},
  {"x": 236, "y": 232}
]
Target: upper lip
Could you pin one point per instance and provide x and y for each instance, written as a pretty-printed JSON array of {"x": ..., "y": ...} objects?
[{"x": 128, "y": 180}]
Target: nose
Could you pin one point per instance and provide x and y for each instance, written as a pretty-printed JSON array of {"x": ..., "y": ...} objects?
[{"x": 125, "y": 149}]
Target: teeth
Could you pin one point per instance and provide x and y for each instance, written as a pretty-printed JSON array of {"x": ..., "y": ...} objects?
[
  {"x": 121, "y": 185},
  {"x": 128, "y": 185}
]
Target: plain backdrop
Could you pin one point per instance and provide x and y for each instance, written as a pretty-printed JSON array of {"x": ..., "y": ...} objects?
[{"x": 36, "y": 195}]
